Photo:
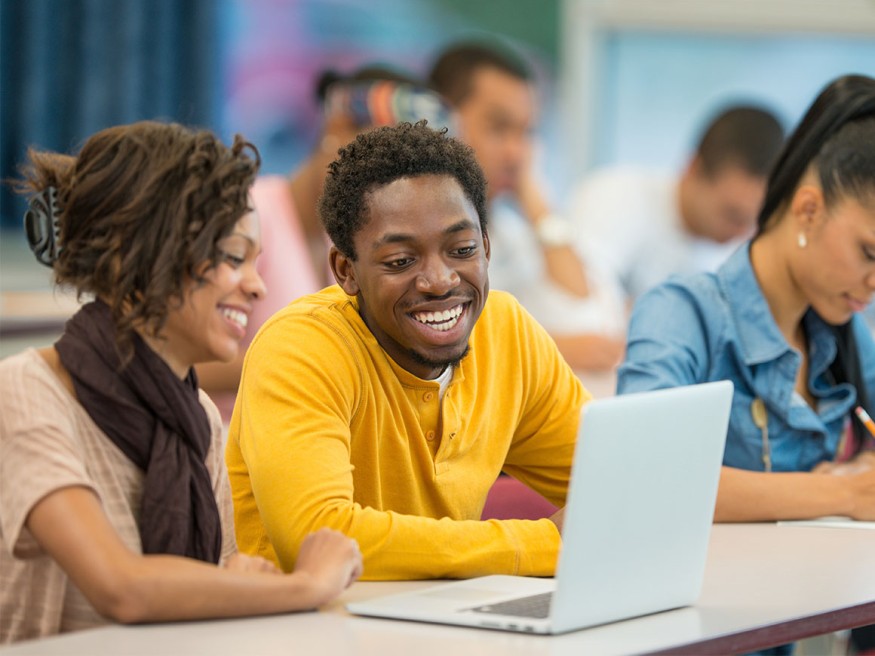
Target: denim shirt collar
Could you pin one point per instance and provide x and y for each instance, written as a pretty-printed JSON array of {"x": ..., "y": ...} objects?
[{"x": 760, "y": 338}]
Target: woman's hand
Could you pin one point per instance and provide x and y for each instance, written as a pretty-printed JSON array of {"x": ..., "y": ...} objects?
[
  {"x": 862, "y": 486},
  {"x": 862, "y": 462},
  {"x": 331, "y": 560},
  {"x": 242, "y": 563}
]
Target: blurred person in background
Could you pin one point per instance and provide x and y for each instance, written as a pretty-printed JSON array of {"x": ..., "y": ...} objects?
[
  {"x": 647, "y": 225},
  {"x": 491, "y": 89},
  {"x": 294, "y": 261}
]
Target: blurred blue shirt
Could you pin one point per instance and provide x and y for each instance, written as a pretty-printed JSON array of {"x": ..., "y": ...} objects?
[{"x": 717, "y": 326}]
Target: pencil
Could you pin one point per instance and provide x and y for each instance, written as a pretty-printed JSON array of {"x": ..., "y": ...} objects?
[{"x": 866, "y": 420}]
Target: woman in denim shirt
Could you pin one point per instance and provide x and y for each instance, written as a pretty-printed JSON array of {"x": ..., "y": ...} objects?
[{"x": 780, "y": 319}]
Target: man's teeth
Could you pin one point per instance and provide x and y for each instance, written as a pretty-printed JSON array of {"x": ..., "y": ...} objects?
[
  {"x": 440, "y": 320},
  {"x": 240, "y": 318}
]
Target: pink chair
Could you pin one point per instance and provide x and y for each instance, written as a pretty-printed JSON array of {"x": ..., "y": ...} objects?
[{"x": 510, "y": 499}]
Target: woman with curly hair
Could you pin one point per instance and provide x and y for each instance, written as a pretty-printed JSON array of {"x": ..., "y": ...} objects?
[{"x": 114, "y": 498}]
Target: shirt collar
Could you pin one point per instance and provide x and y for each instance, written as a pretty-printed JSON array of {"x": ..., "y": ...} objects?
[{"x": 761, "y": 340}]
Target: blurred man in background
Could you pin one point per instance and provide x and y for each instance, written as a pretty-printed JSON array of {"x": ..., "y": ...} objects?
[
  {"x": 648, "y": 225},
  {"x": 491, "y": 88}
]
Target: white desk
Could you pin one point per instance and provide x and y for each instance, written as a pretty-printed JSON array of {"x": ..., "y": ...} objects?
[{"x": 764, "y": 585}]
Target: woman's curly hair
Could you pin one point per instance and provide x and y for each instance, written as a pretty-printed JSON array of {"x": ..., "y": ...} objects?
[
  {"x": 141, "y": 210},
  {"x": 383, "y": 155}
]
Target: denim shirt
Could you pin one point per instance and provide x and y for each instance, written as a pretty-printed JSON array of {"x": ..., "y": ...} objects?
[{"x": 718, "y": 326}]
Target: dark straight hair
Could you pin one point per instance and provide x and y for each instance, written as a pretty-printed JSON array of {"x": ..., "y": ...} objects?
[
  {"x": 834, "y": 136},
  {"x": 843, "y": 101},
  {"x": 743, "y": 136},
  {"x": 453, "y": 71}
]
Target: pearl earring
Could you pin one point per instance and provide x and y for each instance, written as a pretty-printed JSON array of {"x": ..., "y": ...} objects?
[{"x": 803, "y": 240}]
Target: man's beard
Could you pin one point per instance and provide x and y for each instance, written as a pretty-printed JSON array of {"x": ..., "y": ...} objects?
[{"x": 441, "y": 364}]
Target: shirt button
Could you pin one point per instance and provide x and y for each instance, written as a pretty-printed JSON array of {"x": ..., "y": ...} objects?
[
  {"x": 429, "y": 436},
  {"x": 428, "y": 396}
]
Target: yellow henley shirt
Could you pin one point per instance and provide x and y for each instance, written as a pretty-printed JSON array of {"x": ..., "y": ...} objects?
[{"x": 329, "y": 431}]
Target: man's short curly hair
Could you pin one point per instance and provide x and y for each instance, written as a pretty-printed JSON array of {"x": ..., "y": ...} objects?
[{"x": 383, "y": 155}]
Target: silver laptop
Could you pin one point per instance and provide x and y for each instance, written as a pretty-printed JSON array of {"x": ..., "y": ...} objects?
[{"x": 636, "y": 530}]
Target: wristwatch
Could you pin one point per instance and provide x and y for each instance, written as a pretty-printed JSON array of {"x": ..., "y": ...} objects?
[{"x": 553, "y": 231}]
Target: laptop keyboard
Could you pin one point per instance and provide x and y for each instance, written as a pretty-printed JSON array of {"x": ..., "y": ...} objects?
[{"x": 537, "y": 606}]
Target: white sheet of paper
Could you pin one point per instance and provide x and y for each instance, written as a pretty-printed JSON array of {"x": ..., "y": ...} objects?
[{"x": 831, "y": 521}]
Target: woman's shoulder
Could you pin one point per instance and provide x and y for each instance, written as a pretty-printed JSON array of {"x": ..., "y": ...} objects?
[
  {"x": 214, "y": 417},
  {"x": 28, "y": 370},
  {"x": 699, "y": 291},
  {"x": 704, "y": 283},
  {"x": 690, "y": 308},
  {"x": 22, "y": 360},
  {"x": 34, "y": 393}
]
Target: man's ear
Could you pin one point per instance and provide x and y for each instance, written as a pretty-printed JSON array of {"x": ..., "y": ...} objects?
[
  {"x": 486, "y": 245},
  {"x": 694, "y": 167},
  {"x": 343, "y": 270}
]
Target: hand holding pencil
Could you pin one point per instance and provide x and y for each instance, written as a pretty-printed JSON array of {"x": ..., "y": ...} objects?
[{"x": 866, "y": 420}]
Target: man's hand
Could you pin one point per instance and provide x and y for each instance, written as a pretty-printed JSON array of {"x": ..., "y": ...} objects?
[{"x": 558, "y": 518}]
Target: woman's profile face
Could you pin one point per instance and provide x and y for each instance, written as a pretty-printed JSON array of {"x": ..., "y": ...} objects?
[
  {"x": 212, "y": 320},
  {"x": 837, "y": 274}
]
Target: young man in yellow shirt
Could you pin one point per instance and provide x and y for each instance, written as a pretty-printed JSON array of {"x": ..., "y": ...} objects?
[{"x": 386, "y": 406}]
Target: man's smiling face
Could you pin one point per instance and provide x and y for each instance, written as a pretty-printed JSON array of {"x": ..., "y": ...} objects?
[{"x": 421, "y": 271}]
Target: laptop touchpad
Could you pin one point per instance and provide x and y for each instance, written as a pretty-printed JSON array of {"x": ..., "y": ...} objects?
[{"x": 464, "y": 594}]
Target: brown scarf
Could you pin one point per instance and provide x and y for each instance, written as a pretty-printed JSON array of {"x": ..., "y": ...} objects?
[{"x": 158, "y": 422}]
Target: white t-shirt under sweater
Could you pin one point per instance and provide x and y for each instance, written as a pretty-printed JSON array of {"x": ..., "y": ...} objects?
[{"x": 630, "y": 217}]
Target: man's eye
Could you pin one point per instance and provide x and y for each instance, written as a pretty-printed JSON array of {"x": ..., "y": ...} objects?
[
  {"x": 465, "y": 251},
  {"x": 400, "y": 263}
]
